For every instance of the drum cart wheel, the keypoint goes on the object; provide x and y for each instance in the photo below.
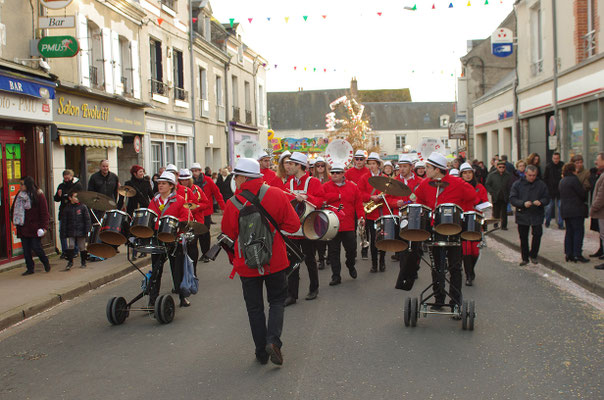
(119, 310)
(471, 315)
(108, 310)
(407, 311)
(414, 311)
(165, 309)
(464, 315)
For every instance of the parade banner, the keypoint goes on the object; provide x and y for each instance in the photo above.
(304, 145)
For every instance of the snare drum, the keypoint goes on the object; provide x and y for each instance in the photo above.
(303, 209)
(472, 226)
(321, 225)
(415, 222)
(143, 223)
(448, 219)
(168, 228)
(113, 227)
(386, 234)
(96, 247)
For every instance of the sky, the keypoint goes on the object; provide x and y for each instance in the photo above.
(400, 48)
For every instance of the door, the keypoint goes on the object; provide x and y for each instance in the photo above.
(12, 169)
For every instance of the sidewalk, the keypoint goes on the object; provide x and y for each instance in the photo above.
(551, 254)
(24, 296)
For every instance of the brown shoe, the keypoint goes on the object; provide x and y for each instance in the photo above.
(275, 354)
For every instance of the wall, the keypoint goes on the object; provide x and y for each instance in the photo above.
(494, 122)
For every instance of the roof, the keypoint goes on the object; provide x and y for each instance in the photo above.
(408, 115)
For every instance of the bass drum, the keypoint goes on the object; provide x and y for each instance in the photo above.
(386, 234)
(321, 225)
(96, 247)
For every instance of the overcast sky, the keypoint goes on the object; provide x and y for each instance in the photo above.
(399, 49)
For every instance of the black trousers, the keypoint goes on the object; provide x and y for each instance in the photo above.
(348, 240)
(34, 244)
(204, 240)
(447, 258)
(157, 269)
(409, 261)
(321, 246)
(500, 210)
(177, 260)
(307, 247)
(370, 229)
(276, 293)
(523, 232)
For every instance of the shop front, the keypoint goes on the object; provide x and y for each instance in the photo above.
(25, 114)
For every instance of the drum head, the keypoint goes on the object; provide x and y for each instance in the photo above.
(448, 229)
(101, 250)
(113, 238)
(415, 235)
(141, 231)
(471, 236)
(392, 245)
(300, 208)
(166, 237)
(315, 225)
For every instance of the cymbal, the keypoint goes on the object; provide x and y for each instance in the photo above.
(190, 206)
(127, 191)
(390, 186)
(196, 227)
(96, 201)
(438, 184)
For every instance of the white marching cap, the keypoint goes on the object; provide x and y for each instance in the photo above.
(196, 165)
(185, 174)
(299, 158)
(337, 167)
(312, 162)
(404, 159)
(466, 167)
(437, 160)
(420, 164)
(263, 155)
(388, 163)
(374, 157)
(454, 172)
(360, 153)
(171, 168)
(167, 176)
(319, 159)
(247, 167)
(286, 153)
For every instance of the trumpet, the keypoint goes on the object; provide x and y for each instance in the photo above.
(363, 235)
(371, 206)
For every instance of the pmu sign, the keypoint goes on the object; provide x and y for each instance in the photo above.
(58, 46)
(502, 42)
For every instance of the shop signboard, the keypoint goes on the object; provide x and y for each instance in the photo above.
(458, 130)
(58, 46)
(502, 42)
(67, 21)
(21, 107)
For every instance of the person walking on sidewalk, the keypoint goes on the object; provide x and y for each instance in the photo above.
(552, 177)
(498, 185)
(75, 225)
(29, 213)
(574, 211)
(597, 204)
(529, 196)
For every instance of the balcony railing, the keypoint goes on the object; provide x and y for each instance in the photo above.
(220, 113)
(236, 116)
(204, 108)
(94, 76)
(158, 87)
(590, 44)
(537, 67)
(126, 90)
(248, 117)
(180, 94)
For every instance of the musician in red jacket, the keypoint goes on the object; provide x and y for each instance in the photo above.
(356, 173)
(281, 175)
(268, 175)
(471, 251)
(267, 338)
(212, 193)
(368, 193)
(339, 192)
(168, 203)
(457, 192)
(304, 189)
(321, 172)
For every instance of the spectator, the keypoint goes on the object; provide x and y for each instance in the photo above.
(597, 204)
(582, 173)
(509, 167)
(529, 196)
(156, 177)
(144, 193)
(494, 162)
(498, 185)
(74, 228)
(534, 159)
(552, 177)
(208, 172)
(69, 183)
(520, 168)
(574, 211)
(594, 174)
(483, 172)
(224, 182)
(104, 182)
(29, 214)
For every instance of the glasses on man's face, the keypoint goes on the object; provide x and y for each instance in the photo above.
(336, 173)
(359, 158)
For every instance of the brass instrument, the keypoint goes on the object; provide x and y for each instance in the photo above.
(363, 235)
(371, 206)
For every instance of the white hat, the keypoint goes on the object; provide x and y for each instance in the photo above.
(466, 167)
(167, 176)
(414, 158)
(312, 162)
(360, 153)
(437, 160)
(420, 164)
(374, 157)
(337, 167)
(404, 159)
(454, 172)
(388, 163)
(319, 159)
(263, 155)
(196, 165)
(247, 167)
(172, 168)
(184, 174)
(286, 153)
(299, 158)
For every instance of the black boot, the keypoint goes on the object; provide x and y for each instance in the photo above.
(83, 257)
(468, 266)
(382, 262)
(598, 253)
(69, 257)
(373, 266)
(364, 253)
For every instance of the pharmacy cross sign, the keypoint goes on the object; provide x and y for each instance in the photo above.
(502, 42)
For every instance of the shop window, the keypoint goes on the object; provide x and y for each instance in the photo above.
(157, 157)
(593, 134)
(170, 154)
(94, 156)
(574, 130)
(181, 156)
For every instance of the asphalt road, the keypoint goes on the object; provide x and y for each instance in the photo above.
(533, 340)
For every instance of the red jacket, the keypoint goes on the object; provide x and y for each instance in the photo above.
(277, 204)
(367, 191)
(268, 175)
(349, 196)
(212, 192)
(277, 182)
(37, 217)
(355, 174)
(203, 202)
(482, 196)
(315, 193)
(458, 192)
(175, 207)
(412, 183)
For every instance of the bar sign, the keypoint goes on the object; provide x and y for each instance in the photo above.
(57, 22)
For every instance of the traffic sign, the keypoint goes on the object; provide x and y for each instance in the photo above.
(55, 4)
(137, 144)
(551, 126)
(58, 46)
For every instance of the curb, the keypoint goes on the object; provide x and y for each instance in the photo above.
(560, 268)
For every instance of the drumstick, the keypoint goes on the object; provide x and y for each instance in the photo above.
(306, 201)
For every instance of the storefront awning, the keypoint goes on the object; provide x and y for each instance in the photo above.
(74, 138)
(22, 84)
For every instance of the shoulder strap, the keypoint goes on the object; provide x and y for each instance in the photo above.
(307, 183)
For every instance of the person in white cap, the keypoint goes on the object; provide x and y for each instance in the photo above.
(341, 193)
(304, 189)
(168, 203)
(321, 172)
(471, 251)
(282, 176)
(420, 169)
(265, 167)
(311, 166)
(370, 193)
(388, 169)
(457, 192)
(454, 172)
(356, 173)
(266, 334)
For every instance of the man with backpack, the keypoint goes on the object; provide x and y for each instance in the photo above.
(260, 255)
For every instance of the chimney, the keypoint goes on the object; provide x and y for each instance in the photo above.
(354, 88)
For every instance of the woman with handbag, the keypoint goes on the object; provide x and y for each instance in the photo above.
(574, 211)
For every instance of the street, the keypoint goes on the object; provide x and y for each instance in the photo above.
(534, 339)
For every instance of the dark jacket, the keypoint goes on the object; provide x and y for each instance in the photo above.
(552, 177)
(498, 186)
(523, 191)
(572, 198)
(37, 217)
(65, 188)
(75, 221)
(224, 184)
(144, 194)
(106, 185)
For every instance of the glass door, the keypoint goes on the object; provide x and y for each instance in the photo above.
(11, 146)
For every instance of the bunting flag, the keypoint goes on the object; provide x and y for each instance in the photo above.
(268, 19)
(324, 16)
(194, 20)
(231, 20)
(159, 21)
(250, 20)
(379, 13)
(305, 17)
(286, 20)
(451, 5)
